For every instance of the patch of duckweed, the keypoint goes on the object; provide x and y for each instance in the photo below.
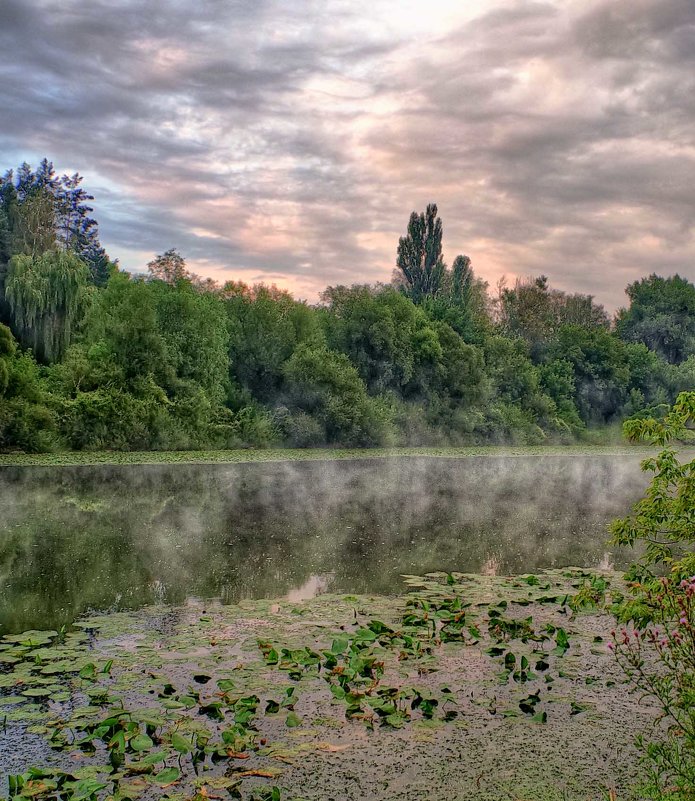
(299, 454)
(203, 700)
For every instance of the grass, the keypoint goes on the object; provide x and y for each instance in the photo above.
(305, 454)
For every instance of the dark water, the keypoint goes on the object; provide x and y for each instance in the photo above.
(74, 539)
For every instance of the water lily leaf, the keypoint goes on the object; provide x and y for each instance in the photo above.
(167, 776)
(9, 660)
(153, 758)
(89, 671)
(528, 705)
(339, 645)
(11, 700)
(141, 742)
(562, 642)
(188, 701)
(140, 767)
(117, 742)
(59, 667)
(85, 788)
(293, 720)
(181, 744)
(173, 705)
(213, 711)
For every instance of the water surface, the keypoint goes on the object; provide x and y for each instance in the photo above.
(74, 539)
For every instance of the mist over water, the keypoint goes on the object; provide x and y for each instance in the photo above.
(74, 539)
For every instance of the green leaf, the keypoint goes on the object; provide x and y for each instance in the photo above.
(37, 692)
(141, 742)
(153, 758)
(86, 788)
(167, 776)
(181, 744)
(89, 672)
(293, 720)
(117, 742)
(562, 642)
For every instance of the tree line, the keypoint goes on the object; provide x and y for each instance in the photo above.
(92, 357)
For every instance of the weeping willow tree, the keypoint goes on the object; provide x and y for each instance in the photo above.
(47, 295)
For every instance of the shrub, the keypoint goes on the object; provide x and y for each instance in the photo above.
(657, 647)
(660, 659)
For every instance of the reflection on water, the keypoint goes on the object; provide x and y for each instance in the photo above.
(313, 586)
(80, 538)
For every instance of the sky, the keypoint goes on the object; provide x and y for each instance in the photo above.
(288, 142)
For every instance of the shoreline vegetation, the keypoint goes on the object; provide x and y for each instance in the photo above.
(93, 358)
(250, 456)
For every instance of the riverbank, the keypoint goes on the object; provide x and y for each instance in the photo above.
(243, 456)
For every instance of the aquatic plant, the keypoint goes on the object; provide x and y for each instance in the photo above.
(205, 727)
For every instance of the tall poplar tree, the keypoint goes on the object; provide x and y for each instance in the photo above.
(420, 255)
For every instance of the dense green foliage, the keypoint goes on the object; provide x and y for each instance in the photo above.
(94, 358)
(657, 651)
(661, 315)
(664, 520)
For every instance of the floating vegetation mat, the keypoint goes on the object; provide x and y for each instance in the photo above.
(308, 454)
(463, 687)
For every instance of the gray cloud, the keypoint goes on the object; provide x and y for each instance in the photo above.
(274, 139)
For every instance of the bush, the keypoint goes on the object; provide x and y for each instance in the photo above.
(254, 427)
(27, 426)
(657, 649)
(324, 385)
(113, 419)
(509, 424)
(665, 518)
(300, 430)
(27, 421)
(660, 659)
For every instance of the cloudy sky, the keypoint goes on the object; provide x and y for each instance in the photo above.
(289, 141)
